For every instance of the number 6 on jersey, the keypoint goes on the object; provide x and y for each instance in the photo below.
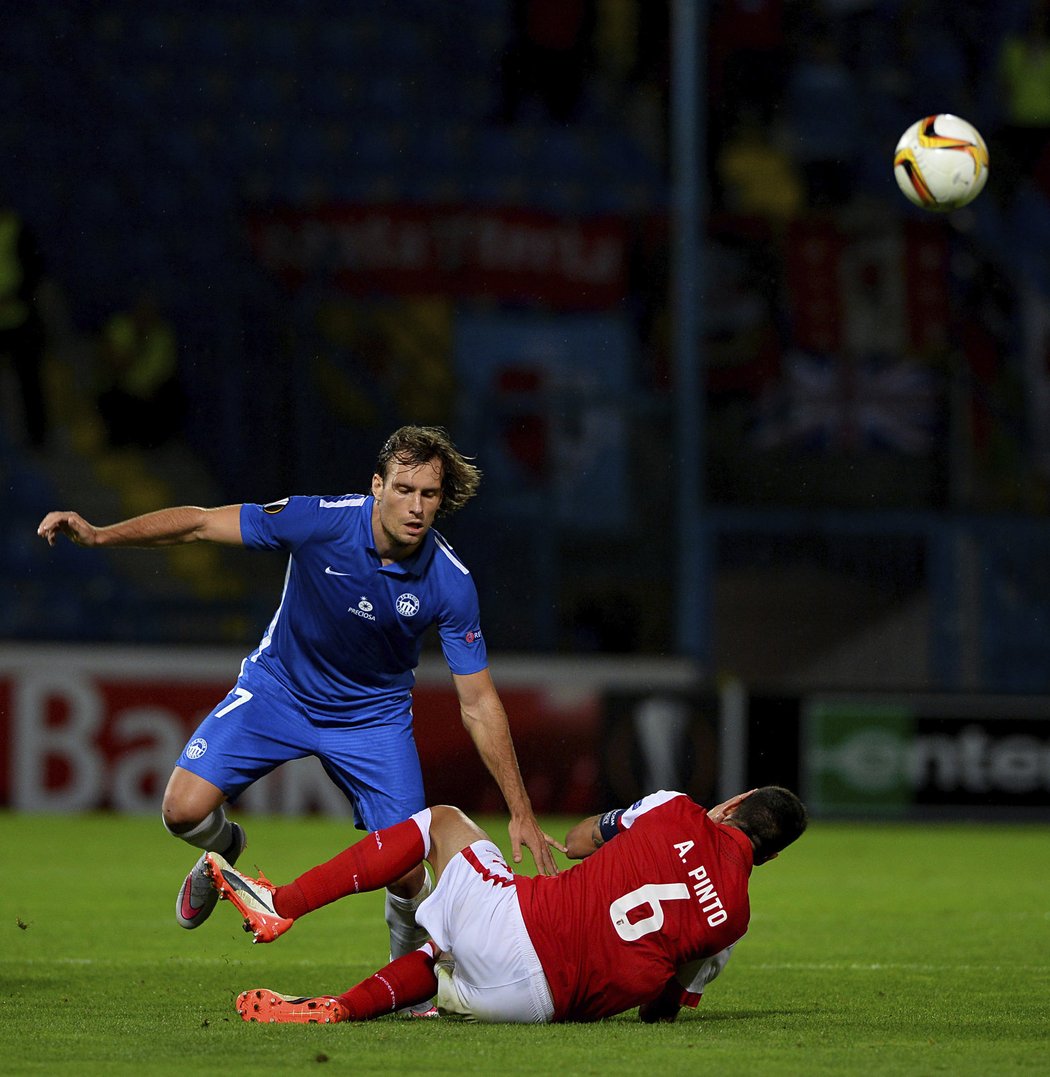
(651, 894)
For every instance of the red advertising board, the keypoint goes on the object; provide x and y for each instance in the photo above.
(96, 728)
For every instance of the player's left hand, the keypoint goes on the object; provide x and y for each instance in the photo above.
(720, 812)
(527, 832)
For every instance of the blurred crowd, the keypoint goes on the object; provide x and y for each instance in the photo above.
(133, 317)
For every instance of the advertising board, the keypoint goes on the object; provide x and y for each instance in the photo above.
(90, 728)
(926, 755)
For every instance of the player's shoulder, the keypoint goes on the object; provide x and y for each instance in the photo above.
(303, 518)
(308, 503)
(446, 561)
(335, 503)
(329, 512)
(659, 798)
(658, 805)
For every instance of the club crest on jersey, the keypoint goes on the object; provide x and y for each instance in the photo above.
(407, 605)
(196, 748)
(275, 507)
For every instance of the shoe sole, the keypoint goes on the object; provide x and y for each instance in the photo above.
(268, 1007)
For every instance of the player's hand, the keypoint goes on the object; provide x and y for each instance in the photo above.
(653, 1012)
(70, 524)
(664, 1007)
(527, 832)
(720, 812)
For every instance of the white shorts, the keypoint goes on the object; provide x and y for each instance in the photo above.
(473, 915)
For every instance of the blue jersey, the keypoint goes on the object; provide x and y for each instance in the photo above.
(347, 635)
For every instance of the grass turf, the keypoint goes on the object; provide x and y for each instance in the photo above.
(890, 949)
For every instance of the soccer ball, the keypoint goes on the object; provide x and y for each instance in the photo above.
(941, 163)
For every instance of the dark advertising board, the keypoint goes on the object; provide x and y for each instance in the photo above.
(951, 756)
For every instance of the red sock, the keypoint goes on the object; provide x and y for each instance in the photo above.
(376, 860)
(404, 982)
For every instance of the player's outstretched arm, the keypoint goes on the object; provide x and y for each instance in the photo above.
(165, 527)
(486, 721)
(586, 835)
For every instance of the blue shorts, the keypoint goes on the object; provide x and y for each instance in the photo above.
(259, 726)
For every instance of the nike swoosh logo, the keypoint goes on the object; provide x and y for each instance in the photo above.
(329, 571)
(189, 910)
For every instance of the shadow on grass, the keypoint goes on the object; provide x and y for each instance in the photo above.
(753, 1015)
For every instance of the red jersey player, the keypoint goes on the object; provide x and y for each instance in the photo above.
(646, 920)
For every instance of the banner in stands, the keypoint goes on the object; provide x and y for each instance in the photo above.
(542, 402)
(515, 254)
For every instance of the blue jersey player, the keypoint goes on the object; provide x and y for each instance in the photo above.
(332, 676)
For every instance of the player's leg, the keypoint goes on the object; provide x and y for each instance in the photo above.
(409, 982)
(406, 981)
(230, 749)
(473, 910)
(403, 897)
(378, 770)
(490, 971)
(451, 831)
(193, 811)
(376, 861)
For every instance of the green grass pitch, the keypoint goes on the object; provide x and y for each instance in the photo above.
(873, 949)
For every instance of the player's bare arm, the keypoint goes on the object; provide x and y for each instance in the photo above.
(486, 721)
(586, 835)
(165, 527)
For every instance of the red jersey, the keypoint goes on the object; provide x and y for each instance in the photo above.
(670, 888)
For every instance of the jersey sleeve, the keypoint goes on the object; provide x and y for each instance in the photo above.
(617, 820)
(460, 630)
(647, 804)
(280, 525)
(696, 975)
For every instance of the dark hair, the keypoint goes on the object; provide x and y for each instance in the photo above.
(772, 817)
(415, 445)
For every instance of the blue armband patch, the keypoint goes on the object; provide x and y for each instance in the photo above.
(609, 823)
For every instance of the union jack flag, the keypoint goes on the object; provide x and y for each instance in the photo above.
(834, 402)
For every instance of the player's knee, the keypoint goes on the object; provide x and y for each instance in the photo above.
(451, 825)
(182, 810)
(449, 815)
(179, 817)
(188, 801)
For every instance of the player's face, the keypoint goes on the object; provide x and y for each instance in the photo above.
(406, 503)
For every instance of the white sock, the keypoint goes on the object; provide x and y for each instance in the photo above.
(213, 833)
(405, 934)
